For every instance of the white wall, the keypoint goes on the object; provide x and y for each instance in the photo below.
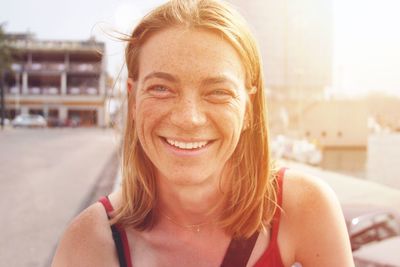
(336, 123)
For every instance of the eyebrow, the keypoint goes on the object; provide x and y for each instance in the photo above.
(207, 81)
(161, 75)
(218, 79)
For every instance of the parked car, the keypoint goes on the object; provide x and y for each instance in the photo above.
(374, 235)
(385, 253)
(29, 120)
(367, 224)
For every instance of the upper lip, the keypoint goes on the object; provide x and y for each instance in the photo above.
(188, 140)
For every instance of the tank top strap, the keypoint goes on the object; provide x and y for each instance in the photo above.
(119, 236)
(278, 211)
(106, 204)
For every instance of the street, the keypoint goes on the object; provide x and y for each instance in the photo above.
(47, 176)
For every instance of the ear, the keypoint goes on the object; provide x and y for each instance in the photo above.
(131, 91)
(130, 85)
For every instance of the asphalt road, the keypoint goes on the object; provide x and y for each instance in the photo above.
(47, 176)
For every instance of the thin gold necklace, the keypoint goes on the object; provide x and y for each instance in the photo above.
(191, 227)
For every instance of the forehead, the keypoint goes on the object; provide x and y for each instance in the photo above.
(189, 52)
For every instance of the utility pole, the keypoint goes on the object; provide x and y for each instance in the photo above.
(2, 108)
(5, 62)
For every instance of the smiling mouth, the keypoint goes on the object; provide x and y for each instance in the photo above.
(186, 145)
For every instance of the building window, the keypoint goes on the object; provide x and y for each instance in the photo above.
(11, 113)
(36, 111)
(78, 117)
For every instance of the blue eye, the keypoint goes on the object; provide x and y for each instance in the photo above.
(160, 91)
(220, 92)
(220, 96)
(159, 88)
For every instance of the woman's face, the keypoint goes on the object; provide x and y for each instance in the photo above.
(190, 104)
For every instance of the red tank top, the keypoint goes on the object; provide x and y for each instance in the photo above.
(270, 258)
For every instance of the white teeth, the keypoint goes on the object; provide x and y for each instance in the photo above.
(188, 145)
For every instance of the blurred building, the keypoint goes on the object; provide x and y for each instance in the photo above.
(296, 40)
(385, 110)
(62, 80)
(336, 123)
(296, 43)
(383, 161)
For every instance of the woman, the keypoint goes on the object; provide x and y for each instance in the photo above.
(198, 188)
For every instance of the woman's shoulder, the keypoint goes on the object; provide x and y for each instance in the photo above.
(307, 198)
(303, 189)
(87, 240)
(313, 218)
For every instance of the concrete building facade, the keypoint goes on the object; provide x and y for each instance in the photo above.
(336, 123)
(296, 43)
(62, 80)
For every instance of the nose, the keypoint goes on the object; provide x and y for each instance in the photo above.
(188, 113)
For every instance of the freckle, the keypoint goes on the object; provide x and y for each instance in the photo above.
(317, 255)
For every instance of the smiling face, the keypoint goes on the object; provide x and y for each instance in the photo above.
(190, 102)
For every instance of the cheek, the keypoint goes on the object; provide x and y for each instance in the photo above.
(231, 119)
(148, 116)
(238, 110)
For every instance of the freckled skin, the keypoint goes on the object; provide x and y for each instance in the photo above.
(189, 109)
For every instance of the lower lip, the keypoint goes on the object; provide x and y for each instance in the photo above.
(186, 152)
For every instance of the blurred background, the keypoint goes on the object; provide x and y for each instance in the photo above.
(332, 70)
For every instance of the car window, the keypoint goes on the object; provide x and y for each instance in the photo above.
(375, 228)
(361, 223)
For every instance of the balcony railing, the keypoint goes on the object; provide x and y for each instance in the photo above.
(48, 90)
(14, 90)
(16, 67)
(84, 67)
(57, 67)
(36, 66)
(32, 44)
(52, 90)
(81, 90)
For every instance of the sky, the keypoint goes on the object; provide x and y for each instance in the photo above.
(367, 46)
(366, 34)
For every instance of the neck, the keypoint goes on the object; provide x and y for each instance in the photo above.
(189, 204)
